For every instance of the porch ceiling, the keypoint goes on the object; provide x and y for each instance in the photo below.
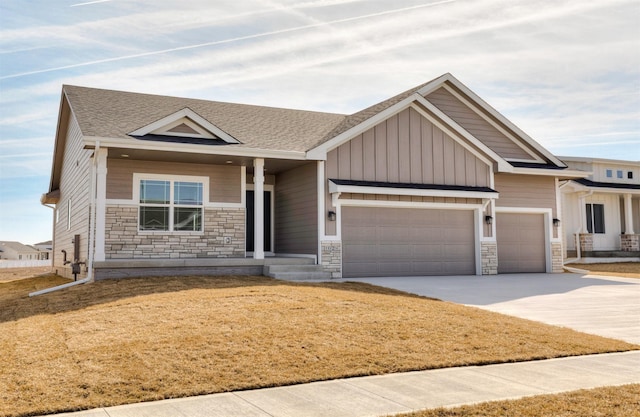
(272, 166)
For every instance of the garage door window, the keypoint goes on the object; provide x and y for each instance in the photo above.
(595, 218)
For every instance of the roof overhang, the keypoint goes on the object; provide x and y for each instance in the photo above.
(408, 189)
(52, 197)
(91, 142)
(438, 82)
(561, 173)
(605, 187)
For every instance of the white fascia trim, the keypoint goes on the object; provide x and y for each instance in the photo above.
(190, 114)
(492, 123)
(564, 173)
(453, 80)
(358, 189)
(90, 141)
(320, 152)
(503, 165)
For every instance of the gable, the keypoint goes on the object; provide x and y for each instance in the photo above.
(482, 127)
(184, 126)
(408, 148)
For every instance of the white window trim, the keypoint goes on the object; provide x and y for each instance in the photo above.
(137, 177)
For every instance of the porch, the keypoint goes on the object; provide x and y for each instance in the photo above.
(131, 268)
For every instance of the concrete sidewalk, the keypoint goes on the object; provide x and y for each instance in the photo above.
(397, 393)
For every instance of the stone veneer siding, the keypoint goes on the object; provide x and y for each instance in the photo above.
(630, 243)
(586, 242)
(489, 258)
(556, 257)
(223, 236)
(332, 257)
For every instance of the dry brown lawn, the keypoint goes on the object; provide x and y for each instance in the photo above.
(623, 401)
(618, 269)
(122, 341)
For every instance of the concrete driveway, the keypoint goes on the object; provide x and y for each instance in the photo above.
(606, 306)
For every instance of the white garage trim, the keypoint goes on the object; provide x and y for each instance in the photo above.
(548, 232)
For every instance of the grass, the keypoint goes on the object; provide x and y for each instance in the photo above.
(622, 401)
(618, 269)
(123, 341)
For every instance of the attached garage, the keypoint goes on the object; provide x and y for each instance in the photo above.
(521, 243)
(380, 241)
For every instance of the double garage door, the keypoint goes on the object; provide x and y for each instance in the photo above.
(414, 242)
(407, 242)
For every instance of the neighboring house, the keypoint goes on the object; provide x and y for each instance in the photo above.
(17, 251)
(602, 211)
(45, 248)
(433, 181)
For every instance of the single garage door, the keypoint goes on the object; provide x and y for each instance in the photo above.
(407, 242)
(521, 245)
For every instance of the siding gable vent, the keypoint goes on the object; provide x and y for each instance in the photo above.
(184, 126)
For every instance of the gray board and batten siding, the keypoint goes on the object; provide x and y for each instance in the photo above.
(477, 125)
(405, 148)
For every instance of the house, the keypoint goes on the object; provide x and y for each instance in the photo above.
(602, 211)
(11, 250)
(45, 249)
(433, 181)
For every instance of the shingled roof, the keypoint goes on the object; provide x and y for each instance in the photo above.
(115, 114)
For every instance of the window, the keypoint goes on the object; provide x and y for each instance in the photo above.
(170, 205)
(595, 218)
(619, 173)
(630, 175)
(609, 173)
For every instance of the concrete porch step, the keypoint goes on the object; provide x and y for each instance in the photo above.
(296, 272)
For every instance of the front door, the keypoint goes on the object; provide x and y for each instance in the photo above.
(267, 221)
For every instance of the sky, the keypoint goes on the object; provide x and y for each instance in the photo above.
(567, 72)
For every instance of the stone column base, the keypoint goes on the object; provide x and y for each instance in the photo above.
(489, 258)
(556, 258)
(586, 242)
(332, 257)
(630, 243)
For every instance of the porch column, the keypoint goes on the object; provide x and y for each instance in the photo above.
(628, 215)
(101, 206)
(258, 210)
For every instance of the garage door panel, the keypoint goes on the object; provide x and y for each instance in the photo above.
(521, 242)
(407, 242)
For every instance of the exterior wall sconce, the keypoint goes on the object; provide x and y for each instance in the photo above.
(556, 222)
(332, 216)
(488, 219)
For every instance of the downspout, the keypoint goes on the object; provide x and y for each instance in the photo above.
(53, 233)
(92, 223)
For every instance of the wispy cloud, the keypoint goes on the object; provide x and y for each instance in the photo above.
(88, 3)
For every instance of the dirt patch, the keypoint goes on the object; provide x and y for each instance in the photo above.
(122, 341)
(12, 274)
